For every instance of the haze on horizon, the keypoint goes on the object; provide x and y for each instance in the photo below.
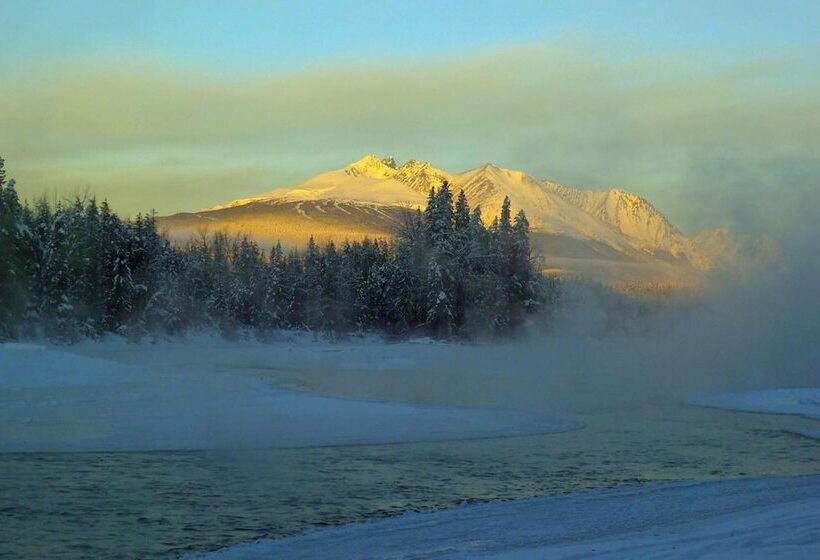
(709, 111)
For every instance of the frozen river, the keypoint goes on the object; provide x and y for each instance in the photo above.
(118, 503)
(161, 504)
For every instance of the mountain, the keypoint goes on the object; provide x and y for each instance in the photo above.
(612, 236)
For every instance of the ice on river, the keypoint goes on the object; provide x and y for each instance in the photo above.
(803, 402)
(799, 402)
(53, 399)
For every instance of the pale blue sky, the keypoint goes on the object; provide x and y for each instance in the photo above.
(179, 105)
(276, 35)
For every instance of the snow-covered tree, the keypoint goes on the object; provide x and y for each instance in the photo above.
(247, 288)
(439, 320)
(12, 270)
(273, 300)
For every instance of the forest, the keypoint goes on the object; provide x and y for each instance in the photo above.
(75, 269)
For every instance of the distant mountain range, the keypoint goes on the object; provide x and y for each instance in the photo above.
(612, 236)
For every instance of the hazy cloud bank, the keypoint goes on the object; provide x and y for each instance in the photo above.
(706, 138)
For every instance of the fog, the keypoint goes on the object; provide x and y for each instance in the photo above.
(749, 329)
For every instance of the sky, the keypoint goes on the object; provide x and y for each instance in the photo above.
(709, 109)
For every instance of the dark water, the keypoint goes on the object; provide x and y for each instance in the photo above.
(160, 505)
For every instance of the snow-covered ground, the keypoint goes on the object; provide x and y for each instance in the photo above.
(201, 396)
(797, 402)
(755, 518)
(206, 392)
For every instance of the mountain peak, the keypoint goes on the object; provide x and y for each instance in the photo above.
(415, 165)
(373, 166)
(420, 175)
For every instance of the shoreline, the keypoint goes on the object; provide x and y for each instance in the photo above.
(759, 517)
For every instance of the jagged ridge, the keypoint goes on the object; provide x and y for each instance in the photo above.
(611, 226)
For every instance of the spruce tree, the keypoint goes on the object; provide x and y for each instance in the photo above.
(12, 271)
(274, 297)
(312, 281)
(462, 212)
(521, 269)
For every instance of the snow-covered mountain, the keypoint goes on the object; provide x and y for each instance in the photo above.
(613, 235)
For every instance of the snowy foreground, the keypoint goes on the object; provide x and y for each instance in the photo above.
(796, 402)
(190, 396)
(210, 393)
(756, 518)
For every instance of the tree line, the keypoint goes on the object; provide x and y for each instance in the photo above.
(74, 269)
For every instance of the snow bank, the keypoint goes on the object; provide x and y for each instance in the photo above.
(799, 402)
(32, 366)
(757, 518)
(52, 399)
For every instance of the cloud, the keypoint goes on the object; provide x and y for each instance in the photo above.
(685, 131)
